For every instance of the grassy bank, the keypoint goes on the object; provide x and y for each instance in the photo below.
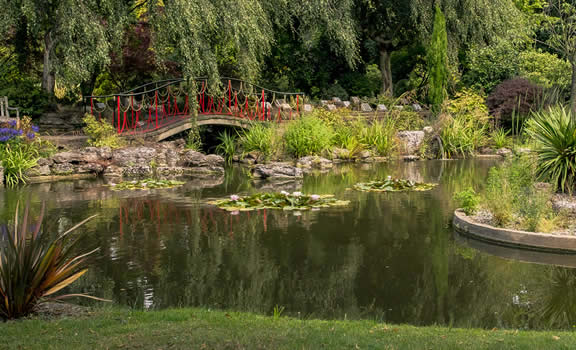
(202, 329)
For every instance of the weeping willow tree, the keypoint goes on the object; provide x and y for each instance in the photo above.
(437, 59)
(76, 36)
(200, 34)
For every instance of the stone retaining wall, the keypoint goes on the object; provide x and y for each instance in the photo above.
(514, 238)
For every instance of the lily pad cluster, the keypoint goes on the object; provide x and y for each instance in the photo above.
(147, 184)
(393, 185)
(281, 200)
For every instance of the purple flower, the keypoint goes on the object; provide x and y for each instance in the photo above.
(314, 197)
(35, 128)
(30, 135)
(12, 123)
(234, 197)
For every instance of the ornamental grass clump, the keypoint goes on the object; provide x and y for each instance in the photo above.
(35, 265)
(393, 185)
(308, 136)
(146, 184)
(282, 200)
(554, 134)
(259, 138)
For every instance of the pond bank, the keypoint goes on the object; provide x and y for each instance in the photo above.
(192, 328)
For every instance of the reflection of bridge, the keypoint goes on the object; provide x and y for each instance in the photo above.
(164, 108)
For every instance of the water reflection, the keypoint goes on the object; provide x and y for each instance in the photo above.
(390, 257)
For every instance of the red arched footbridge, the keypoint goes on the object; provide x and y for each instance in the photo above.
(164, 108)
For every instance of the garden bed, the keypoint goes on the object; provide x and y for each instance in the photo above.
(523, 239)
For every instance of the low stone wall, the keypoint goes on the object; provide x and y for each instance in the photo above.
(132, 162)
(514, 238)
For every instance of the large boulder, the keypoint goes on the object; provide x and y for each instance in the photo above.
(198, 162)
(68, 157)
(276, 170)
(410, 141)
(133, 156)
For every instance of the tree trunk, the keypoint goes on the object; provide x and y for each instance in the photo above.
(386, 69)
(573, 90)
(48, 78)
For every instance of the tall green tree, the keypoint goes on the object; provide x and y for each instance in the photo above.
(437, 59)
(197, 33)
(394, 24)
(76, 36)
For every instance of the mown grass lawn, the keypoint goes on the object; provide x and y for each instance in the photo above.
(204, 329)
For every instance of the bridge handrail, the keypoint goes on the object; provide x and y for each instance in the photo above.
(169, 82)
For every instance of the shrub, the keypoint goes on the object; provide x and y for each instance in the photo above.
(227, 146)
(308, 136)
(516, 96)
(28, 96)
(34, 266)
(367, 84)
(259, 138)
(486, 67)
(101, 133)
(380, 136)
(545, 69)
(467, 200)
(554, 132)
(464, 127)
(194, 141)
(335, 90)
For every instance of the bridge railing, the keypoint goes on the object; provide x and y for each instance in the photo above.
(161, 103)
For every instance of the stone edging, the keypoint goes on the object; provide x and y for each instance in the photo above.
(514, 238)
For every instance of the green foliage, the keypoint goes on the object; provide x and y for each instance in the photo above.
(512, 198)
(335, 90)
(227, 146)
(146, 184)
(467, 200)
(101, 133)
(367, 84)
(27, 96)
(554, 133)
(34, 265)
(194, 141)
(465, 127)
(308, 136)
(499, 137)
(545, 69)
(282, 200)
(437, 59)
(488, 66)
(393, 185)
(380, 136)
(259, 138)
(16, 160)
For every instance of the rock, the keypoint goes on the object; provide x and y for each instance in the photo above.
(346, 104)
(340, 153)
(524, 151)
(411, 141)
(276, 170)
(428, 130)
(330, 107)
(314, 162)
(62, 169)
(251, 158)
(365, 107)
(564, 203)
(140, 170)
(365, 154)
(133, 156)
(68, 157)
(399, 107)
(307, 108)
(193, 159)
(103, 153)
(355, 100)
(45, 161)
(39, 170)
(504, 152)
(381, 108)
(90, 168)
(487, 150)
(410, 158)
(416, 107)
(285, 107)
(324, 102)
(113, 171)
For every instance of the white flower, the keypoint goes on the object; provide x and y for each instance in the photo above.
(284, 193)
(389, 178)
(314, 197)
(297, 213)
(235, 212)
(234, 197)
(296, 194)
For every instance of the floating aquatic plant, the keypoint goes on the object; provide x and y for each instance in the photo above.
(147, 184)
(393, 185)
(281, 200)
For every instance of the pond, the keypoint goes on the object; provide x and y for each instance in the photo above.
(387, 256)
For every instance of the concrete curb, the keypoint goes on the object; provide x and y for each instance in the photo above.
(513, 238)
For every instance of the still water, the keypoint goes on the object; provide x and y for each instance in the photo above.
(389, 257)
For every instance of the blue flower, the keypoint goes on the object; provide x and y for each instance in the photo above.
(12, 123)
(30, 135)
(35, 128)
